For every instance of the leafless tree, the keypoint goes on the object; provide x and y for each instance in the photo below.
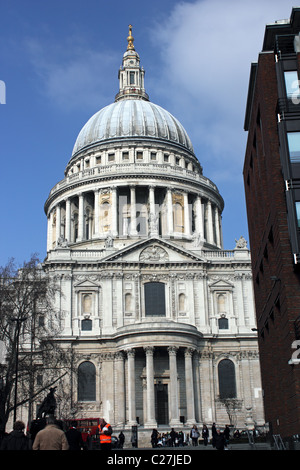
(232, 406)
(31, 359)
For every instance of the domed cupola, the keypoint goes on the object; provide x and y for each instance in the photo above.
(133, 173)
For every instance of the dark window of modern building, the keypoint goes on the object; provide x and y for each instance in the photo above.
(226, 374)
(294, 146)
(155, 303)
(86, 382)
(86, 324)
(223, 323)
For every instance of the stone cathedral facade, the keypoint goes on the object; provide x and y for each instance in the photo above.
(160, 316)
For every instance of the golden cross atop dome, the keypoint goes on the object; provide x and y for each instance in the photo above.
(130, 40)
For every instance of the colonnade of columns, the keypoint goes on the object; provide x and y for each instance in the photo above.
(99, 213)
(173, 392)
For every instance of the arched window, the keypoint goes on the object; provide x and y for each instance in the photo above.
(105, 215)
(155, 303)
(75, 226)
(87, 303)
(178, 218)
(181, 302)
(221, 303)
(86, 382)
(128, 299)
(227, 383)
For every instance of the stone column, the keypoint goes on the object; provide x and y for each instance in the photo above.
(153, 217)
(187, 230)
(58, 223)
(189, 386)
(68, 220)
(81, 218)
(131, 388)
(151, 422)
(114, 213)
(120, 379)
(217, 225)
(96, 213)
(49, 232)
(174, 402)
(199, 218)
(170, 212)
(209, 224)
(133, 231)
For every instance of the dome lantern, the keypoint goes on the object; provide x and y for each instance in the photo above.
(131, 75)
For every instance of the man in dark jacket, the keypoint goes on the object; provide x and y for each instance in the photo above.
(220, 440)
(74, 437)
(16, 440)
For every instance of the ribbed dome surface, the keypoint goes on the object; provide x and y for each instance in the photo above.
(132, 118)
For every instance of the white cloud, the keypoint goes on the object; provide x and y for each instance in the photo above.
(207, 47)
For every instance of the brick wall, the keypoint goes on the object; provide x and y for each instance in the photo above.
(276, 281)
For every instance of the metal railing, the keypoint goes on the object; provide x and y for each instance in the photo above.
(278, 442)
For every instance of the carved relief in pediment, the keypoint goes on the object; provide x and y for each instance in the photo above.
(154, 254)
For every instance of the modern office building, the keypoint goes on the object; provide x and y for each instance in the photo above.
(159, 315)
(272, 188)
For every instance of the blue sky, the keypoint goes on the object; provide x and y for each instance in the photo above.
(59, 61)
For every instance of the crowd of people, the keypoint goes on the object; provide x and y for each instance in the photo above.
(218, 439)
(49, 435)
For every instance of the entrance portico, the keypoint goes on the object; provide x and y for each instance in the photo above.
(158, 381)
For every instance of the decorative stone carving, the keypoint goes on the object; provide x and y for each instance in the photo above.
(241, 243)
(154, 254)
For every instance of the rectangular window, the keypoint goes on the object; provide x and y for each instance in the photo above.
(125, 155)
(292, 84)
(132, 78)
(155, 299)
(294, 146)
(298, 213)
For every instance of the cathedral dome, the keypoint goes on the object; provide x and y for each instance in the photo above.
(135, 118)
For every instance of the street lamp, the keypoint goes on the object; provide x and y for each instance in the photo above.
(19, 321)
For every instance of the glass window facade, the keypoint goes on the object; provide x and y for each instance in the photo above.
(292, 84)
(294, 146)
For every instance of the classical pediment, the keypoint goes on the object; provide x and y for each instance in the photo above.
(221, 284)
(82, 282)
(153, 251)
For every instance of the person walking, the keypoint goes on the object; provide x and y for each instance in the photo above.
(220, 441)
(105, 431)
(213, 434)
(74, 437)
(51, 437)
(173, 435)
(205, 434)
(16, 439)
(227, 434)
(121, 440)
(154, 438)
(195, 435)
